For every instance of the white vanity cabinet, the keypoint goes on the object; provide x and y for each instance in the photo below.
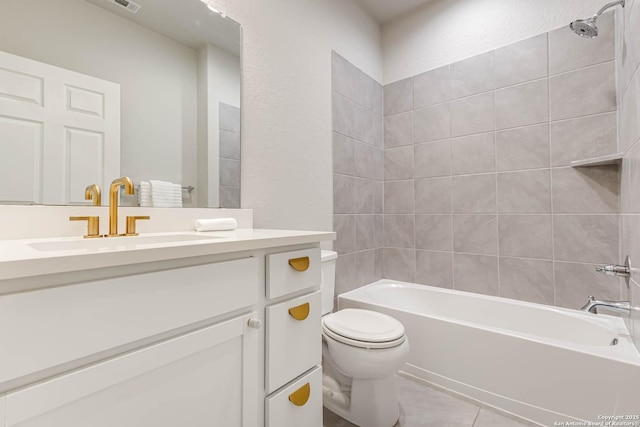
(183, 335)
(200, 379)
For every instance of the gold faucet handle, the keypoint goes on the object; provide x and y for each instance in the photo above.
(131, 224)
(93, 192)
(93, 225)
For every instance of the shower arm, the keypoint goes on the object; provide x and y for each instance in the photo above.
(607, 6)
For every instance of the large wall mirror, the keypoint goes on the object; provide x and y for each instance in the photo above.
(91, 90)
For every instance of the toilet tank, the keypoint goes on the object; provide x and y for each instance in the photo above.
(328, 280)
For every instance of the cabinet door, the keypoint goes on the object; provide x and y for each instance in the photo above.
(204, 378)
(88, 322)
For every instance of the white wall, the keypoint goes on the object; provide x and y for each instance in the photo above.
(445, 31)
(159, 138)
(286, 102)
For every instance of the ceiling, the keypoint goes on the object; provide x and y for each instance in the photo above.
(186, 21)
(386, 10)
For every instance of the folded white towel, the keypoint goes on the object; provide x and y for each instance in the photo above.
(166, 194)
(144, 194)
(219, 224)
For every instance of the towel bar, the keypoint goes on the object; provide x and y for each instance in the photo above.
(188, 188)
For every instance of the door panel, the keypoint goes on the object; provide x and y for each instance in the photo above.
(21, 87)
(85, 151)
(20, 160)
(59, 100)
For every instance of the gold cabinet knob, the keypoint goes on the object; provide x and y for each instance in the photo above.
(131, 224)
(300, 312)
(300, 397)
(300, 264)
(93, 225)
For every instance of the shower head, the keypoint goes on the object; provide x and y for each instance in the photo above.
(587, 27)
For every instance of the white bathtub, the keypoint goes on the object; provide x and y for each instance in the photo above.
(542, 363)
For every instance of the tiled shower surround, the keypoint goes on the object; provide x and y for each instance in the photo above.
(229, 119)
(358, 175)
(479, 195)
(478, 192)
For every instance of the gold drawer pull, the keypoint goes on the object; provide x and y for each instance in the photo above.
(301, 396)
(300, 264)
(300, 312)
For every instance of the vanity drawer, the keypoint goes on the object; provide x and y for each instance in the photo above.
(294, 339)
(290, 272)
(298, 404)
(55, 327)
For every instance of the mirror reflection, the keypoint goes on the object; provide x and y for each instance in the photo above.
(91, 90)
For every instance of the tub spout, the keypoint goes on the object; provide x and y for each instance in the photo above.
(592, 305)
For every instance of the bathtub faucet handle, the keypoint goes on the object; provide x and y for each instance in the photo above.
(614, 270)
(617, 270)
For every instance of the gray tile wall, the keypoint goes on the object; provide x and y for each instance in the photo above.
(627, 61)
(358, 175)
(229, 122)
(478, 191)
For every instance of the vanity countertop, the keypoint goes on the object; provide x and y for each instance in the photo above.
(34, 257)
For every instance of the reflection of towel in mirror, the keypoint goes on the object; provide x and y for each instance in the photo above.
(165, 194)
(144, 194)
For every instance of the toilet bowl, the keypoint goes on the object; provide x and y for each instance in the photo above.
(362, 351)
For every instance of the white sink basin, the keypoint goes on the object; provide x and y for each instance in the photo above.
(117, 243)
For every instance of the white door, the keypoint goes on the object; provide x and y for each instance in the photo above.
(206, 378)
(59, 132)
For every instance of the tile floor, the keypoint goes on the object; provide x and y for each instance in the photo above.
(423, 405)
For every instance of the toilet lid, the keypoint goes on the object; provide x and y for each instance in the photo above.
(364, 326)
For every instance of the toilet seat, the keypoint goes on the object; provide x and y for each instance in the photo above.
(364, 329)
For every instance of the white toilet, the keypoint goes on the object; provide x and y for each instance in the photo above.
(362, 350)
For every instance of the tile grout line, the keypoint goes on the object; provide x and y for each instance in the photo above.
(494, 89)
(506, 172)
(453, 256)
(475, 420)
(547, 122)
(413, 174)
(413, 182)
(553, 237)
(495, 159)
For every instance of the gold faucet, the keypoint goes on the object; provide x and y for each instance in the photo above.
(113, 202)
(93, 193)
(93, 225)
